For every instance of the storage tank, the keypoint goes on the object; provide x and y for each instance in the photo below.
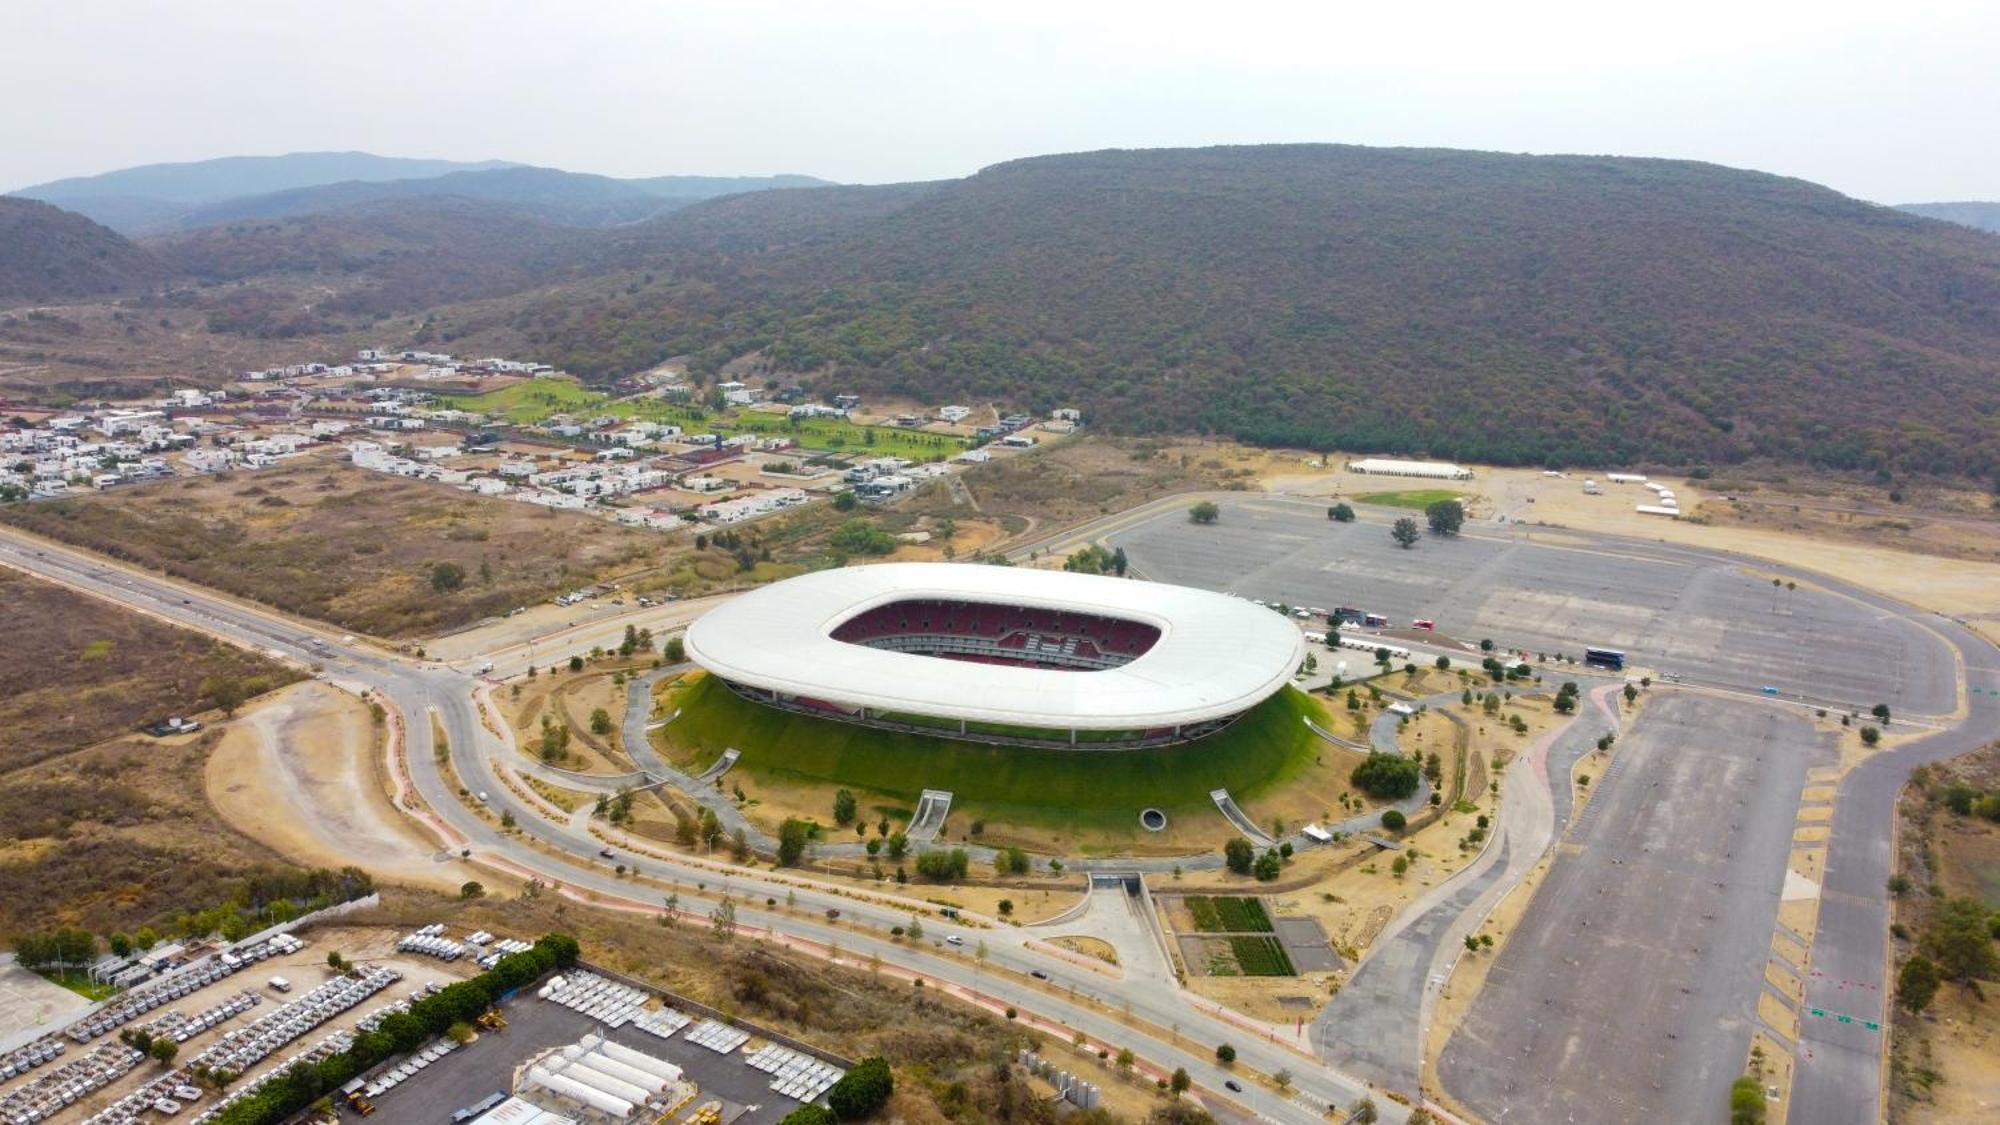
(648, 1063)
(649, 1082)
(617, 1087)
(588, 1095)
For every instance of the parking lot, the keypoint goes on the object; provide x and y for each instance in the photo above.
(487, 1066)
(1708, 620)
(1629, 992)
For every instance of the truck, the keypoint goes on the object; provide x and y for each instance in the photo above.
(280, 984)
(1590, 488)
(1375, 621)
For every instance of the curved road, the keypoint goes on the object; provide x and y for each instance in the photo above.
(1167, 1028)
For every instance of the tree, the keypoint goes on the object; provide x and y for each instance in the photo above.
(845, 502)
(810, 1114)
(576, 663)
(793, 835)
(1205, 512)
(471, 889)
(1746, 1101)
(1445, 516)
(1394, 820)
(1870, 736)
(844, 807)
(1959, 939)
(1340, 513)
(446, 577)
(861, 537)
(1119, 563)
(1283, 1078)
(163, 1051)
(1180, 1082)
(1917, 983)
(1125, 1059)
(600, 721)
(1881, 713)
(1404, 532)
(226, 692)
(1364, 1113)
(722, 920)
(864, 1090)
(1631, 693)
(899, 845)
(676, 650)
(1385, 776)
(711, 828)
(1238, 855)
(1269, 866)
(1012, 861)
(1225, 1054)
(1442, 663)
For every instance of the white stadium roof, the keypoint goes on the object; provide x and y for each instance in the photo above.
(1216, 655)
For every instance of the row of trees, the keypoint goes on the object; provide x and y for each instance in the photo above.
(293, 1090)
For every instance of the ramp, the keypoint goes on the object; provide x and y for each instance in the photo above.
(932, 808)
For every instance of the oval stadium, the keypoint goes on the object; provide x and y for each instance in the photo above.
(1000, 654)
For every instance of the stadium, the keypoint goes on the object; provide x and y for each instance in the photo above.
(1000, 655)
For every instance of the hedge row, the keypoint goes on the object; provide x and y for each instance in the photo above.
(303, 1084)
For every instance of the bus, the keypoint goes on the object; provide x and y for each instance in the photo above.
(1604, 658)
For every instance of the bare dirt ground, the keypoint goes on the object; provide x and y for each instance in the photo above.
(299, 772)
(75, 670)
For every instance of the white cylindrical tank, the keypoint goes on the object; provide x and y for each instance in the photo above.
(583, 1071)
(648, 1063)
(651, 1083)
(588, 1095)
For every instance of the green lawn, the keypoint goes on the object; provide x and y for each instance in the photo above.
(1417, 498)
(525, 404)
(81, 984)
(1098, 789)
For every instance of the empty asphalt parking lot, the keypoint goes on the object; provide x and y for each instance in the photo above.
(1629, 992)
(1707, 619)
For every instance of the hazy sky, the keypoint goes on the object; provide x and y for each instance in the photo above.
(1894, 102)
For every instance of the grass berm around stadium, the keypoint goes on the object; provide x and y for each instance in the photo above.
(1100, 789)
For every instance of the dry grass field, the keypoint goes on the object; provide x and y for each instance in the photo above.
(347, 546)
(1945, 1063)
(116, 836)
(75, 670)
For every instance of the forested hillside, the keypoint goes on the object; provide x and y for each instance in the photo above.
(47, 253)
(1481, 306)
(372, 260)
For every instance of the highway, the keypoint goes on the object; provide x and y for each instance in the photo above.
(1177, 1030)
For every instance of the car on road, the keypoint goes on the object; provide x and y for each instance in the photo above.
(954, 939)
(1233, 1084)
(607, 853)
(1039, 975)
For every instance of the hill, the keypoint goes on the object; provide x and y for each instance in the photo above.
(569, 198)
(1515, 309)
(1982, 216)
(150, 194)
(367, 261)
(47, 253)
